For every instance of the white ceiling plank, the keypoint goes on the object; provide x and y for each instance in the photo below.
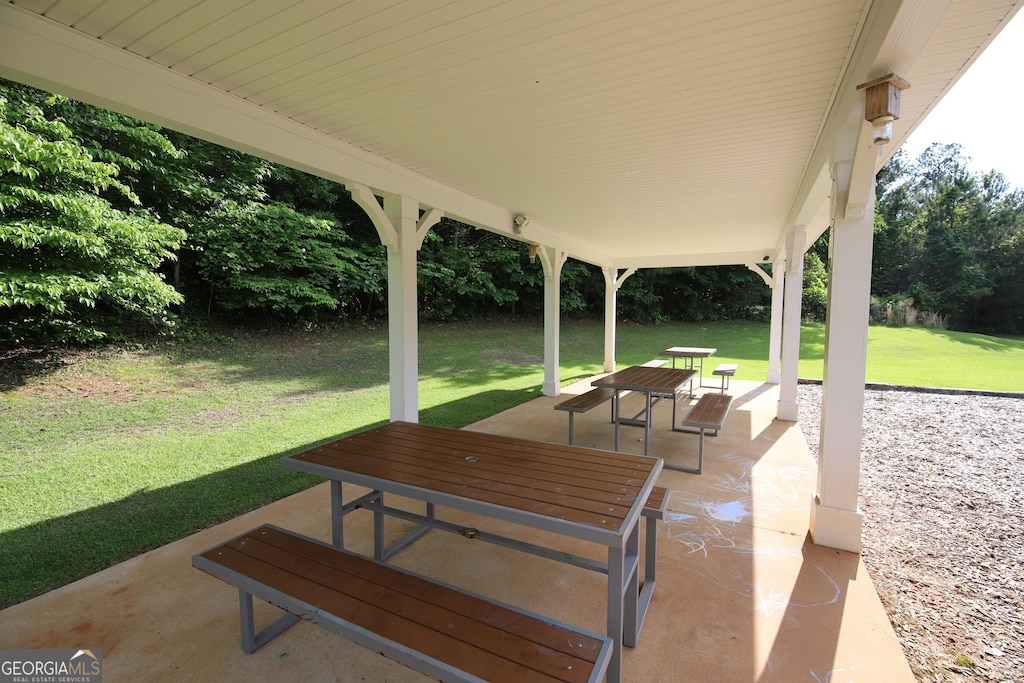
(70, 12)
(175, 39)
(149, 18)
(37, 6)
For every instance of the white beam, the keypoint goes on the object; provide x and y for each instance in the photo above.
(612, 282)
(685, 260)
(552, 259)
(835, 511)
(403, 338)
(775, 327)
(791, 318)
(401, 230)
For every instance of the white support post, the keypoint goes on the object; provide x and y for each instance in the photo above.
(836, 519)
(835, 513)
(553, 259)
(612, 282)
(775, 328)
(403, 337)
(791, 318)
(401, 230)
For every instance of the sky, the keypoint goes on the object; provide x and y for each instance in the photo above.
(984, 111)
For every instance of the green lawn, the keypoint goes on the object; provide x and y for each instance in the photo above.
(106, 455)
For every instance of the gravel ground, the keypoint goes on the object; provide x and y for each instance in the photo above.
(941, 481)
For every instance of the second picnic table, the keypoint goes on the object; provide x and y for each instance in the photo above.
(689, 353)
(654, 383)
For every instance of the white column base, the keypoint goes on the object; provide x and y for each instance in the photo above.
(552, 388)
(788, 411)
(835, 528)
(774, 377)
(609, 366)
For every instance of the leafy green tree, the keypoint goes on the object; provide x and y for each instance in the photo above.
(948, 238)
(465, 272)
(73, 267)
(815, 292)
(270, 258)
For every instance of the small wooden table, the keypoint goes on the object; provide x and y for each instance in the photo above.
(688, 353)
(652, 382)
(581, 493)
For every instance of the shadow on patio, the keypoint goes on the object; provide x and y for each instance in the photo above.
(742, 595)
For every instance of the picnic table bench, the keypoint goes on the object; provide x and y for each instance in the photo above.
(708, 413)
(595, 397)
(725, 371)
(441, 631)
(654, 510)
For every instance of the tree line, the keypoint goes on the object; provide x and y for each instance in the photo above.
(111, 227)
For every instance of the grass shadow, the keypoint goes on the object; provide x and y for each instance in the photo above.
(476, 407)
(45, 555)
(18, 366)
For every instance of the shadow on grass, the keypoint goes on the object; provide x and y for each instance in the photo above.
(470, 409)
(460, 356)
(20, 365)
(981, 341)
(49, 554)
(43, 556)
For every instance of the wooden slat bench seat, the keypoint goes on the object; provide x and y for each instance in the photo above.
(654, 510)
(595, 397)
(708, 413)
(725, 371)
(584, 402)
(438, 630)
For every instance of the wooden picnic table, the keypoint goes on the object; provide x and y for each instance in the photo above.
(653, 382)
(688, 354)
(580, 493)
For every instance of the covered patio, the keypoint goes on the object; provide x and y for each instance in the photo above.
(742, 594)
(627, 135)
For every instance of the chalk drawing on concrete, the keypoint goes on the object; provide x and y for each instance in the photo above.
(827, 676)
(770, 601)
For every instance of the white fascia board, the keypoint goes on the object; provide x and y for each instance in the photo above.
(48, 55)
(732, 258)
(537, 233)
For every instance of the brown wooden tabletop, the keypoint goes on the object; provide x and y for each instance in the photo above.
(510, 478)
(643, 378)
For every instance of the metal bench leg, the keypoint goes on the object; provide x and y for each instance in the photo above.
(571, 439)
(631, 590)
(700, 451)
(650, 574)
(337, 516)
(252, 641)
(615, 404)
(647, 426)
(378, 531)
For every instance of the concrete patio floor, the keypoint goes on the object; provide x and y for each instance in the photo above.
(742, 595)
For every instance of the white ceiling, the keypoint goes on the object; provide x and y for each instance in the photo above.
(630, 132)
